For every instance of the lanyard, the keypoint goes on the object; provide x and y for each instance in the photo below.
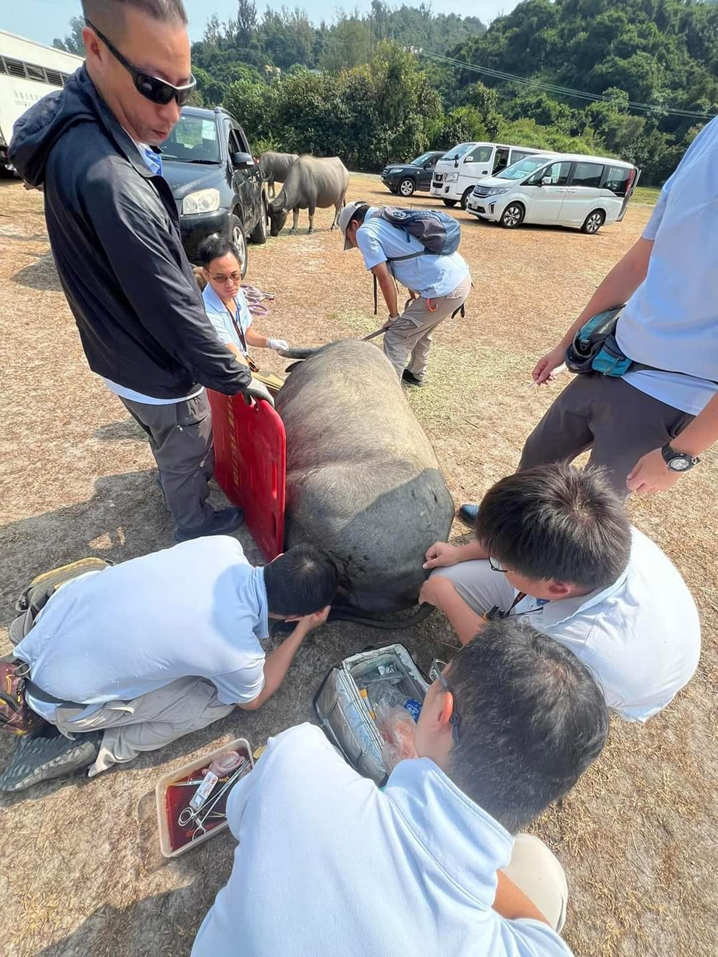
(495, 614)
(238, 328)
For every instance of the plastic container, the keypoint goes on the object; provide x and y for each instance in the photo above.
(170, 844)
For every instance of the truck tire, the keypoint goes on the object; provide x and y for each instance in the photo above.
(259, 233)
(236, 234)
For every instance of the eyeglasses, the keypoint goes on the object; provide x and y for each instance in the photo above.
(151, 87)
(455, 719)
(233, 277)
(496, 566)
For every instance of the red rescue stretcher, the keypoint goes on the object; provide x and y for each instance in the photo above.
(250, 450)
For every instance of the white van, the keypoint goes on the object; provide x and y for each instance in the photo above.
(459, 170)
(566, 189)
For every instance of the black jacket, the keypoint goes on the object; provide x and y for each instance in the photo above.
(115, 236)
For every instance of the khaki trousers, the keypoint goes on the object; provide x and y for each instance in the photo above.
(409, 337)
(148, 722)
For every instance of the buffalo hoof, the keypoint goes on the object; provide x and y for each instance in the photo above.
(310, 230)
(292, 230)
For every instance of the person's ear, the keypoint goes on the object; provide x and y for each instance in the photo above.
(446, 711)
(559, 590)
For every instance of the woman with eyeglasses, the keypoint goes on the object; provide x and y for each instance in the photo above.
(226, 304)
(115, 236)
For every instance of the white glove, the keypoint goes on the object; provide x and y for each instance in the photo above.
(277, 344)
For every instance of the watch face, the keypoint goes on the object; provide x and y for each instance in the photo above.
(679, 464)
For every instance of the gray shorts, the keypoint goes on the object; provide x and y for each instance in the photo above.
(615, 420)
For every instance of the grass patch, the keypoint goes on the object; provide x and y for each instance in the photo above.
(646, 194)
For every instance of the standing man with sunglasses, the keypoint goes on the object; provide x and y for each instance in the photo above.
(114, 233)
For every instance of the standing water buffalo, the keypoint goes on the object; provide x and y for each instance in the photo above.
(274, 167)
(311, 182)
(363, 481)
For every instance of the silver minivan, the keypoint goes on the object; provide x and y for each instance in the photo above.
(459, 170)
(563, 189)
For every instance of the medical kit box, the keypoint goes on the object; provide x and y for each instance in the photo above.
(344, 703)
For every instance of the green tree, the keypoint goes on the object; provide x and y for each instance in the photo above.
(72, 42)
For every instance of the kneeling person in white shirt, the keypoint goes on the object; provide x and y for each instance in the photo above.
(157, 647)
(428, 864)
(554, 544)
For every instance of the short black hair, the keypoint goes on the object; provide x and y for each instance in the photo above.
(532, 719)
(109, 14)
(214, 247)
(301, 581)
(557, 522)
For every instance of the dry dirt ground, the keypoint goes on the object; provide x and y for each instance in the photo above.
(82, 874)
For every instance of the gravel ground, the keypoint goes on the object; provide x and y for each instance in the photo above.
(82, 873)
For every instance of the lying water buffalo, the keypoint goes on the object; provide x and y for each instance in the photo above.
(363, 481)
(274, 167)
(311, 182)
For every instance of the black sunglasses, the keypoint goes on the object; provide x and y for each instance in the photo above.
(151, 87)
(455, 719)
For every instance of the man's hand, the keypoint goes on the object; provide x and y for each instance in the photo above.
(311, 622)
(441, 554)
(651, 474)
(434, 590)
(389, 322)
(544, 368)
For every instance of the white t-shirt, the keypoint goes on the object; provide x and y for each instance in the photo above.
(328, 865)
(429, 276)
(641, 636)
(671, 321)
(198, 609)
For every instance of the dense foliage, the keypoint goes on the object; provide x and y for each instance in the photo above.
(367, 88)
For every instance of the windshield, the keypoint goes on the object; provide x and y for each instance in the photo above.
(420, 160)
(523, 168)
(458, 151)
(193, 140)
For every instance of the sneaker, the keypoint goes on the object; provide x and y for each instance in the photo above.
(468, 514)
(49, 756)
(224, 521)
(410, 378)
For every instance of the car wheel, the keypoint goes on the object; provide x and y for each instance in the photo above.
(236, 234)
(448, 202)
(407, 187)
(594, 221)
(512, 216)
(259, 233)
(465, 197)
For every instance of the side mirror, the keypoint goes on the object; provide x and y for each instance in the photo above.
(546, 181)
(242, 160)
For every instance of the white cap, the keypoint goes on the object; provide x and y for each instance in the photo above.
(344, 218)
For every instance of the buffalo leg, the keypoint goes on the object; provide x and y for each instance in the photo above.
(295, 220)
(312, 210)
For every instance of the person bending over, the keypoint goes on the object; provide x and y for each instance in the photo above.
(426, 865)
(225, 303)
(128, 659)
(554, 544)
(438, 285)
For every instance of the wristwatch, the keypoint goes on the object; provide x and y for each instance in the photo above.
(678, 461)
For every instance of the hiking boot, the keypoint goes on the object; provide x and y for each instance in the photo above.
(410, 378)
(48, 756)
(224, 521)
(468, 514)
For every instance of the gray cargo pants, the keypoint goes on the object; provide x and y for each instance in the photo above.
(181, 441)
(618, 422)
(146, 723)
(410, 334)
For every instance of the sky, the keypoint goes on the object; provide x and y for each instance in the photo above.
(43, 20)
